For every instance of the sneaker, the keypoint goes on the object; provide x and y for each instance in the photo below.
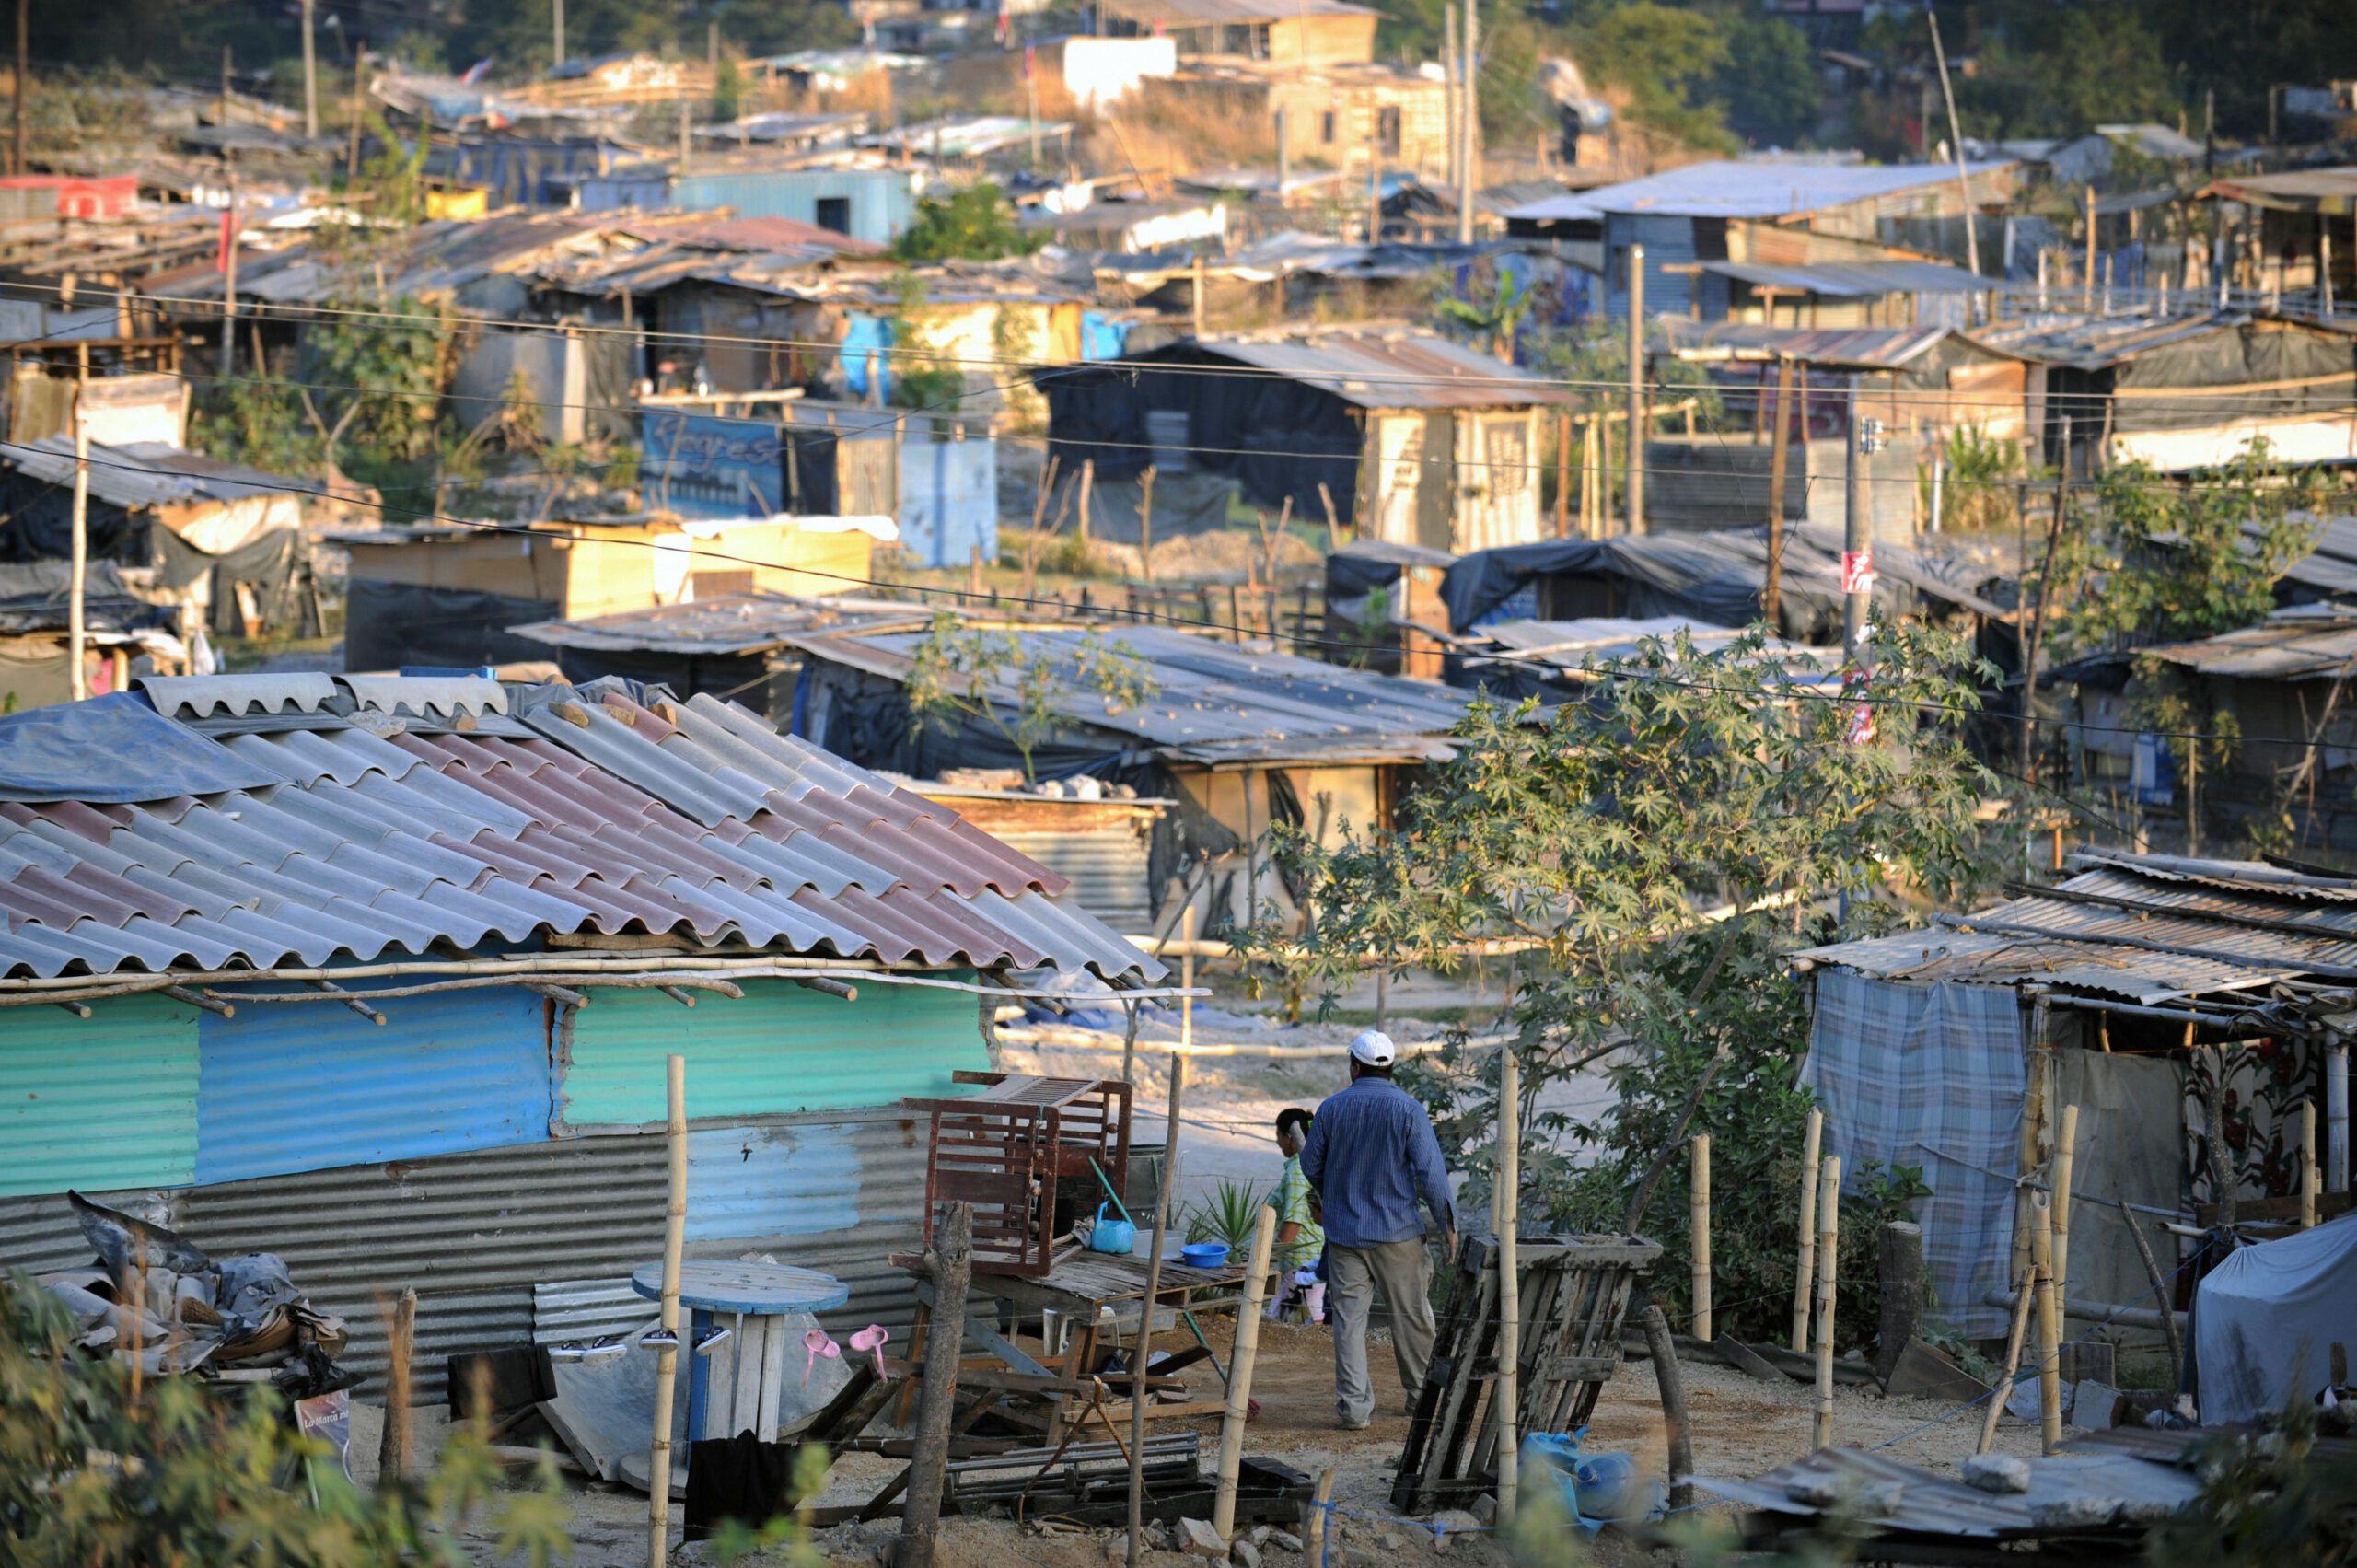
(1348, 1423)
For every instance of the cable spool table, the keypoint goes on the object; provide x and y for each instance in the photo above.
(756, 1300)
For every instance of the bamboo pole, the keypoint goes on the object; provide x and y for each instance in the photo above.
(1508, 1396)
(1186, 983)
(2049, 1325)
(2309, 1185)
(667, 1359)
(2065, 1162)
(1313, 1518)
(1700, 1213)
(77, 678)
(2022, 1300)
(1828, 1250)
(1803, 1277)
(1239, 1374)
(1138, 1347)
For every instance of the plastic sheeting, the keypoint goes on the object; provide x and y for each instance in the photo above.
(114, 749)
(387, 625)
(2266, 1318)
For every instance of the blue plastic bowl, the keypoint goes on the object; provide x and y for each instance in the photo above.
(1204, 1254)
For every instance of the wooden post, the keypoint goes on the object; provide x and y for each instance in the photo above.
(1186, 976)
(1088, 484)
(667, 1360)
(1562, 476)
(1632, 484)
(1313, 1518)
(1195, 297)
(1678, 1427)
(1828, 1252)
(400, 1348)
(1900, 1257)
(1138, 1347)
(2064, 1161)
(2050, 1324)
(952, 1269)
(1333, 522)
(1508, 1396)
(1145, 525)
(1779, 455)
(2308, 1169)
(2022, 1299)
(1699, 1213)
(1239, 1373)
(1803, 1277)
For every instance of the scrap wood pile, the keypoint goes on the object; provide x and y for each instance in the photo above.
(158, 1299)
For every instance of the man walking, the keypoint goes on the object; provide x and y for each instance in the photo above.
(1371, 1153)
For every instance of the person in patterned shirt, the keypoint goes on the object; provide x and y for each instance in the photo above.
(1301, 1245)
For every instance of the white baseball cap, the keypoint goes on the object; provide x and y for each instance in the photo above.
(1373, 1047)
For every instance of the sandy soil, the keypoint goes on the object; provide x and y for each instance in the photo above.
(1741, 1427)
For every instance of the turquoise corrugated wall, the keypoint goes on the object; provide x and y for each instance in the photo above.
(776, 1049)
(97, 1103)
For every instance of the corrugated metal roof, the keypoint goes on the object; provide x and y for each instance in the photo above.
(147, 473)
(733, 624)
(1991, 958)
(2308, 642)
(1865, 348)
(2301, 190)
(1727, 189)
(1391, 370)
(1206, 692)
(610, 818)
(1571, 644)
(1855, 279)
(430, 261)
(2094, 342)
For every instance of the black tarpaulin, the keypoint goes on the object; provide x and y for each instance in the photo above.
(270, 562)
(387, 625)
(2258, 370)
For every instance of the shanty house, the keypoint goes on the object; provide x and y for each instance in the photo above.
(122, 635)
(379, 974)
(2180, 392)
(1407, 436)
(1765, 217)
(2177, 1014)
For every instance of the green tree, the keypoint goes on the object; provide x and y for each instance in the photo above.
(1023, 690)
(1667, 62)
(974, 225)
(923, 375)
(1682, 777)
(380, 367)
(1771, 85)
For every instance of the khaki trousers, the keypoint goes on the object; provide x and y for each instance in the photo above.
(1403, 1271)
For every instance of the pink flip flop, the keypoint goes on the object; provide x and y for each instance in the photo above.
(872, 1338)
(817, 1343)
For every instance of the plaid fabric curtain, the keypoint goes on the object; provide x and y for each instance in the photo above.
(1930, 1076)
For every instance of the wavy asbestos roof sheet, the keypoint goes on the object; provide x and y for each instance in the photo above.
(609, 818)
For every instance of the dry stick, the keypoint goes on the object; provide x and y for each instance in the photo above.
(1239, 1374)
(1698, 1217)
(667, 1359)
(2221, 1176)
(400, 1340)
(1153, 1288)
(1145, 526)
(1087, 483)
(952, 1270)
(2065, 1161)
(1643, 1199)
(1508, 1182)
(1673, 1405)
(1031, 541)
(1828, 1252)
(1802, 1279)
(2160, 1296)
(2049, 1325)
(2309, 1185)
(2022, 1300)
(1333, 524)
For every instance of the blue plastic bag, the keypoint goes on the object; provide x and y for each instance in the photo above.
(1596, 1489)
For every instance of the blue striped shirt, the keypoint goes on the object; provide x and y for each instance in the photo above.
(1371, 1151)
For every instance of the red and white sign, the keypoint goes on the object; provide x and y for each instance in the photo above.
(1857, 571)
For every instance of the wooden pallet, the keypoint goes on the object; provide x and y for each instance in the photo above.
(1575, 1292)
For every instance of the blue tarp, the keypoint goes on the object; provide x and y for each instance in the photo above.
(1102, 338)
(861, 334)
(111, 749)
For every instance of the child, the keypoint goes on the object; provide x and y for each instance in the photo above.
(1301, 1244)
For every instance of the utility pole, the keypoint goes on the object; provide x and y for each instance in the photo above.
(75, 631)
(24, 79)
(1858, 529)
(310, 74)
(229, 286)
(557, 9)
(1633, 484)
(1469, 109)
(1956, 138)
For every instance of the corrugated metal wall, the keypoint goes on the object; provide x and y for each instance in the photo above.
(106, 1101)
(1107, 869)
(287, 1089)
(881, 200)
(473, 1232)
(779, 1049)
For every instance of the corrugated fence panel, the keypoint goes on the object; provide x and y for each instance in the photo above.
(1107, 871)
(779, 1049)
(287, 1087)
(474, 1232)
(107, 1101)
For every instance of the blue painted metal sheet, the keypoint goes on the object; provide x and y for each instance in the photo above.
(708, 466)
(948, 500)
(865, 342)
(777, 1049)
(99, 1103)
(880, 201)
(286, 1086)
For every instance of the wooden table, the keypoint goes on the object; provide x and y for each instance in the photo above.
(751, 1362)
(1081, 1287)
